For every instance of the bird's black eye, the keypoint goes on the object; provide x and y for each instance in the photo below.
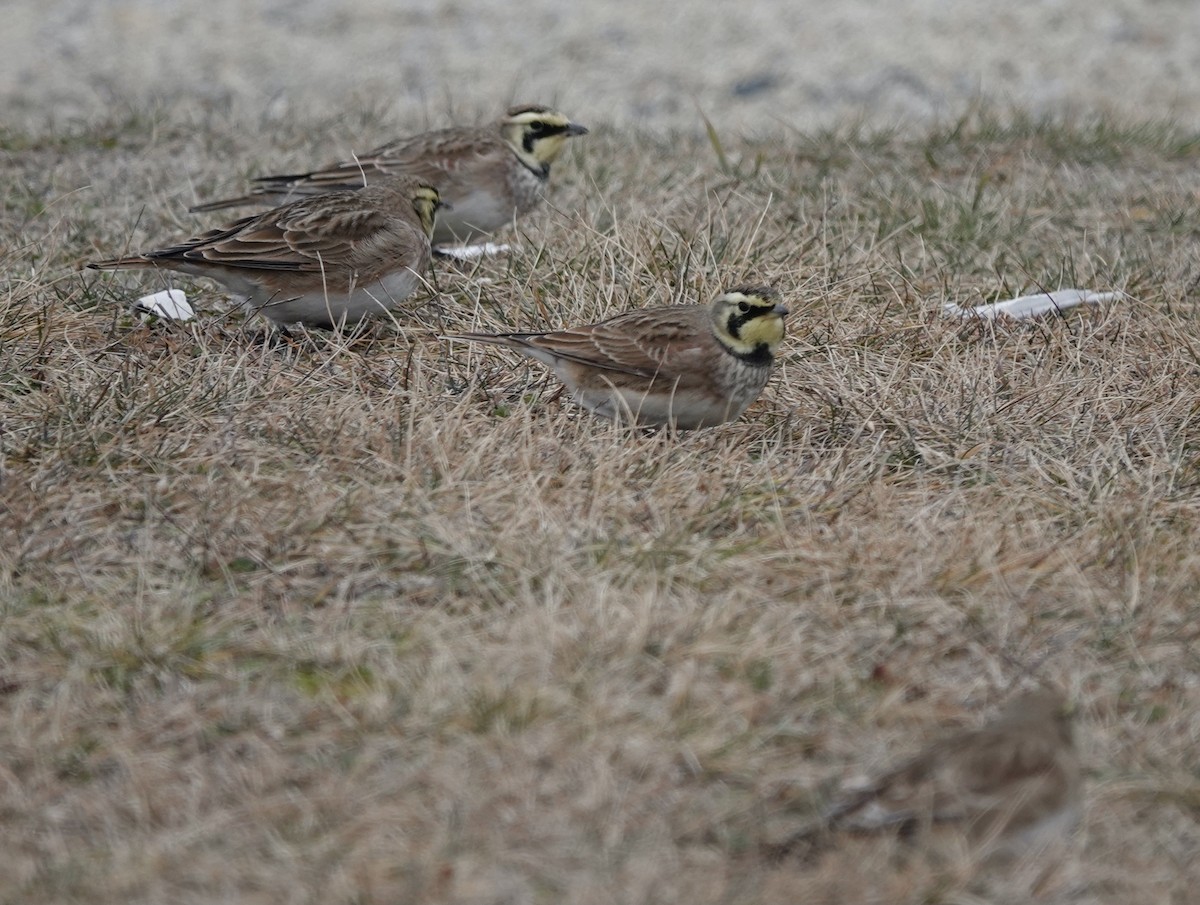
(537, 128)
(743, 307)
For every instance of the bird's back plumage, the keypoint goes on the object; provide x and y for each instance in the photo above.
(655, 366)
(1014, 781)
(486, 175)
(321, 260)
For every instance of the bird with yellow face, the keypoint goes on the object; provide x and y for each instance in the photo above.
(687, 366)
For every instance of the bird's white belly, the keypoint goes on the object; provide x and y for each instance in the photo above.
(472, 215)
(656, 408)
(330, 308)
(1049, 830)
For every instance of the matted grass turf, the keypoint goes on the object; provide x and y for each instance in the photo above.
(378, 618)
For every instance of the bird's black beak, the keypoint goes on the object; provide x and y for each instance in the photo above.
(576, 129)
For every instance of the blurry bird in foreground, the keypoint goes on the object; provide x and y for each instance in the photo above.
(1013, 785)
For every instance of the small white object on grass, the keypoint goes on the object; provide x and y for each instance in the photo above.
(170, 304)
(469, 252)
(1031, 305)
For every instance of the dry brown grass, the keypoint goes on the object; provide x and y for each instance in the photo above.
(378, 619)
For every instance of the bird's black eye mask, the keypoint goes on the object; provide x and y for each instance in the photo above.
(744, 314)
(536, 131)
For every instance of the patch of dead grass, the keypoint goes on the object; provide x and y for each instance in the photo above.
(378, 618)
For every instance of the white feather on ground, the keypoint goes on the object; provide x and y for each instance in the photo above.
(170, 304)
(468, 252)
(1027, 306)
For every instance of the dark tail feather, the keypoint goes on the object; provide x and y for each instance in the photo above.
(224, 203)
(279, 183)
(118, 263)
(268, 190)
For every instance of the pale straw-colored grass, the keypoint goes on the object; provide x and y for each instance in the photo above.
(381, 618)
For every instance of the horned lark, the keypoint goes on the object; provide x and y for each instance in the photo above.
(323, 261)
(487, 176)
(687, 365)
(1013, 783)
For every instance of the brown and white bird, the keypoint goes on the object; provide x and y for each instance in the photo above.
(325, 261)
(1016, 782)
(686, 365)
(487, 176)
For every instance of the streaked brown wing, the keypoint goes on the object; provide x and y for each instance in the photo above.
(653, 342)
(997, 760)
(302, 236)
(432, 158)
(336, 231)
(959, 777)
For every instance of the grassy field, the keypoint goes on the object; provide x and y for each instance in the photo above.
(379, 619)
